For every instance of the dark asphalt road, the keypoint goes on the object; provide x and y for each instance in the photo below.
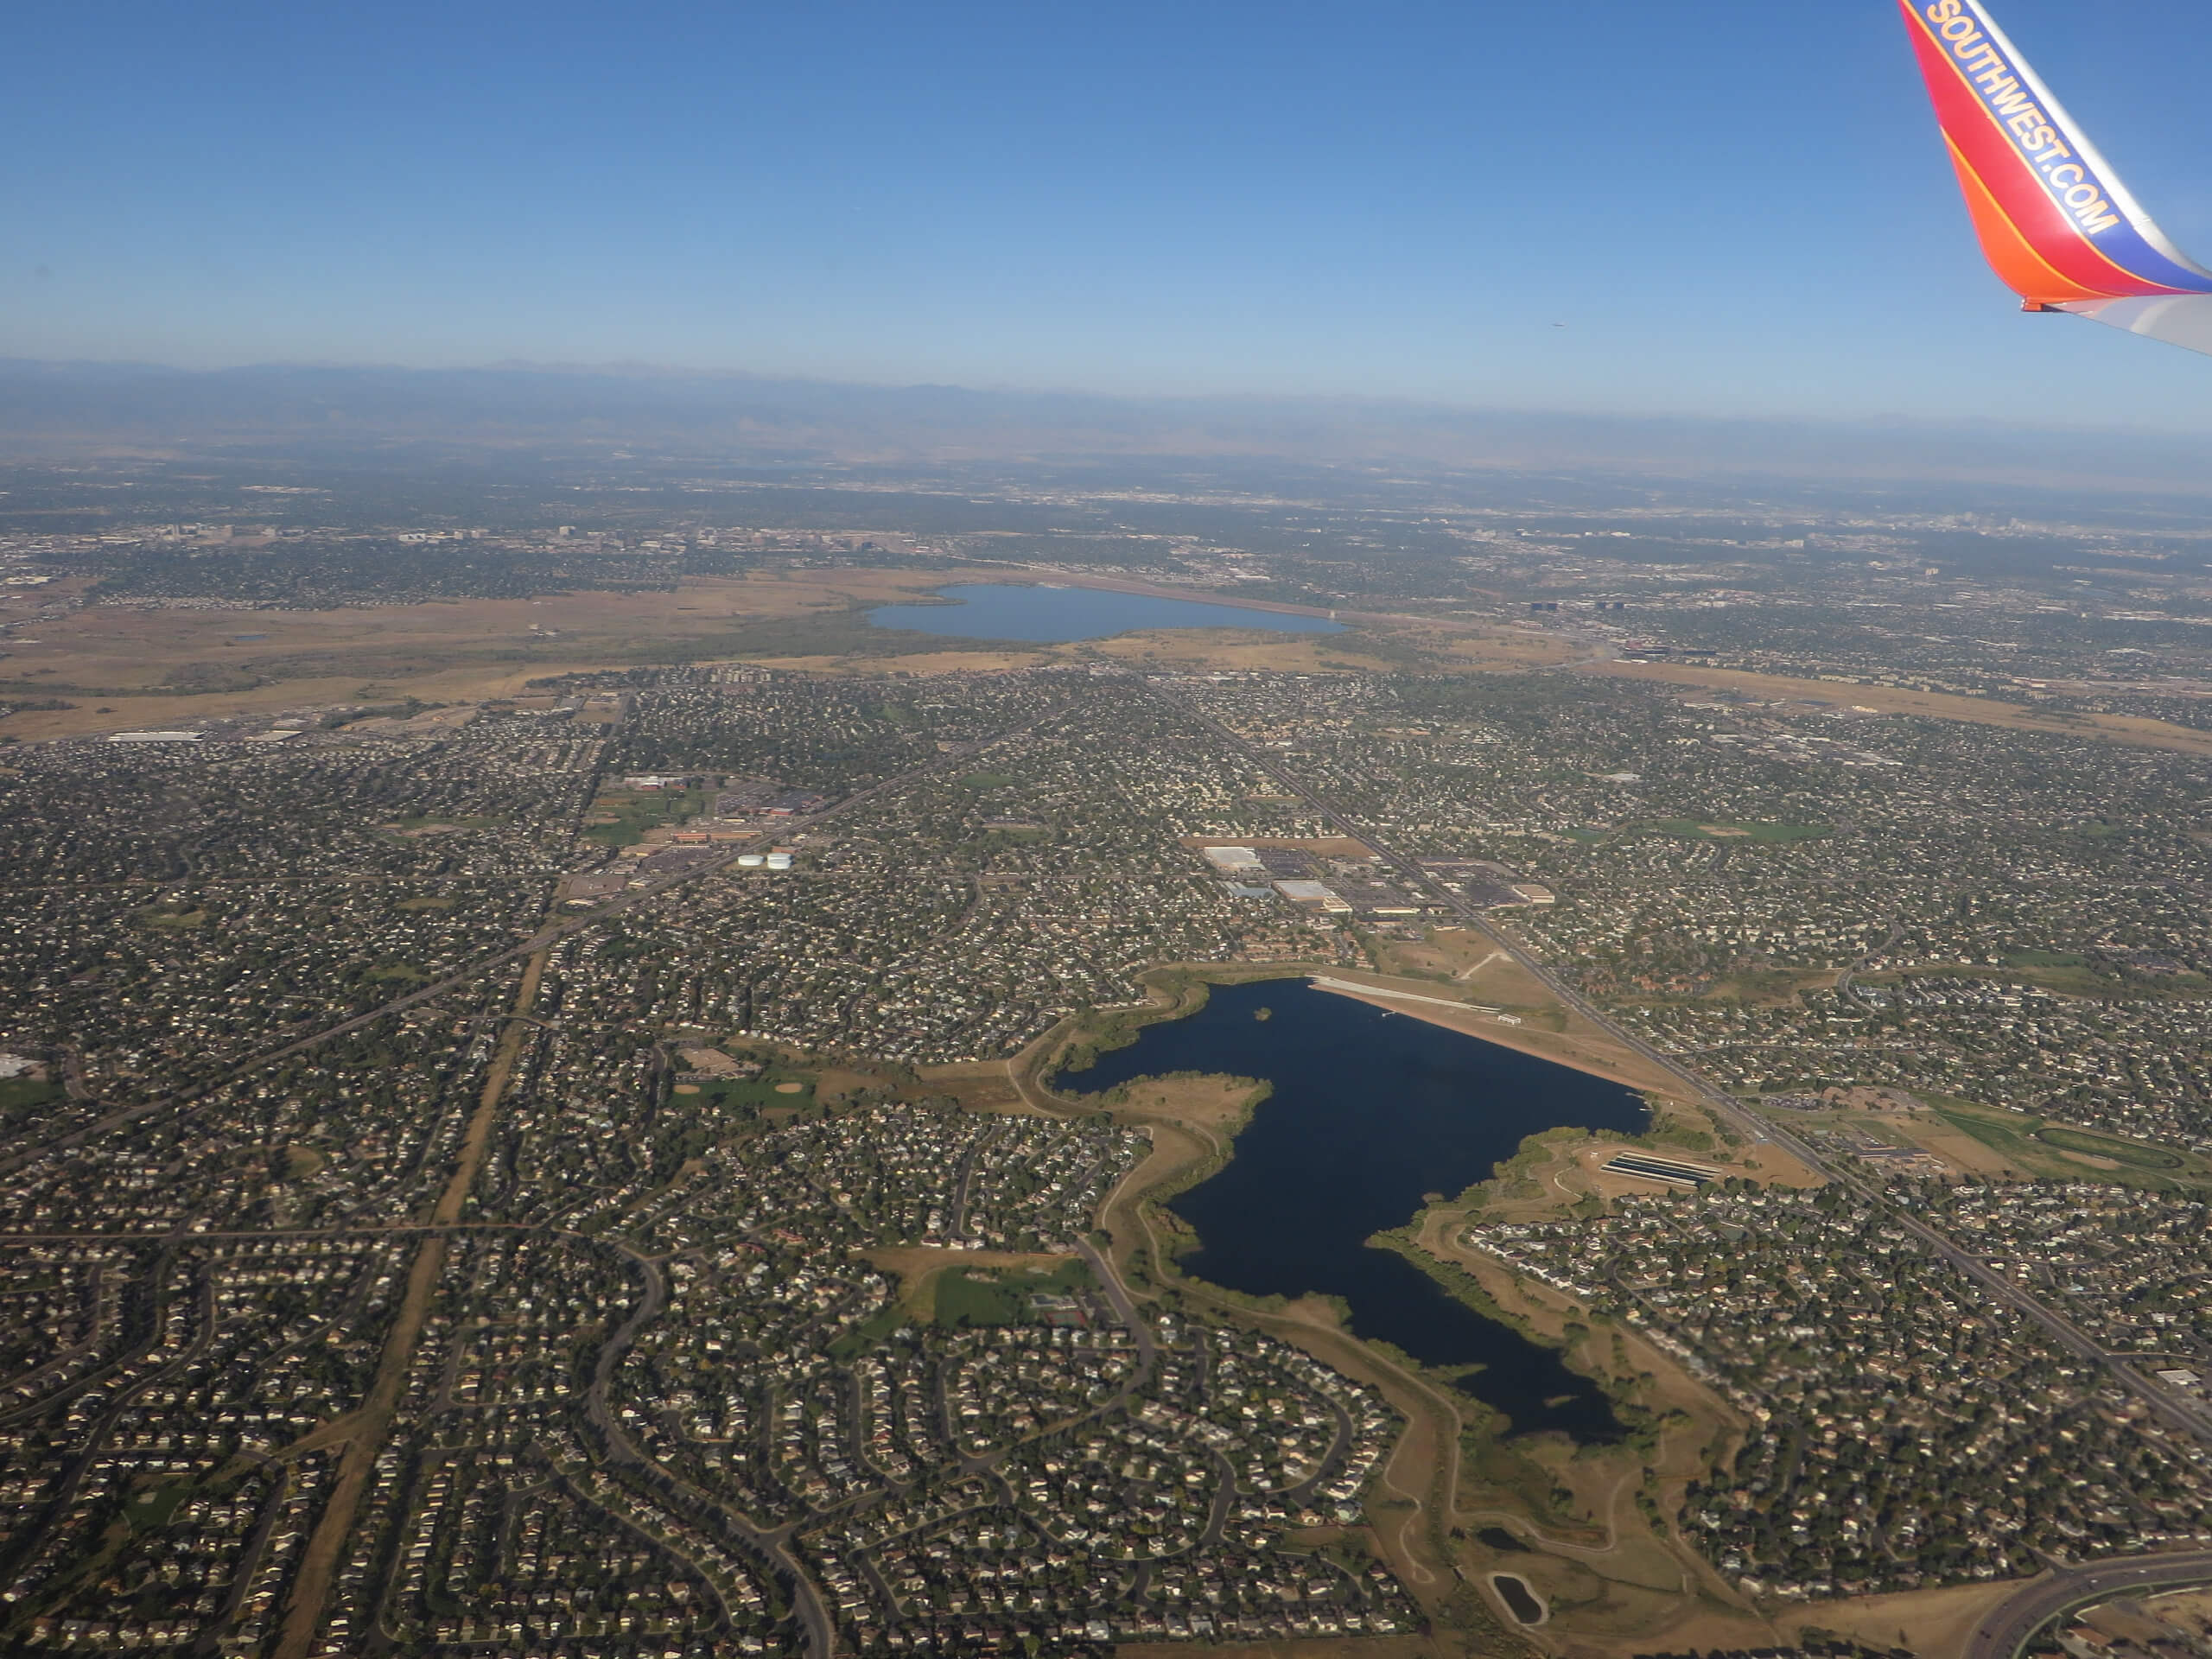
(2012, 1622)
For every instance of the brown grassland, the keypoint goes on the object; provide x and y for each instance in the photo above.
(133, 660)
(1941, 705)
(127, 668)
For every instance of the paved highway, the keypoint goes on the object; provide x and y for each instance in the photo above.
(2002, 1631)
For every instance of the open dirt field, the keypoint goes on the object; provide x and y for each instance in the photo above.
(1197, 648)
(126, 668)
(1585, 1171)
(1496, 648)
(1573, 1169)
(1375, 641)
(132, 662)
(1465, 962)
(1216, 1106)
(1933, 1623)
(1456, 956)
(835, 1085)
(1941, 705)
(980, 1085)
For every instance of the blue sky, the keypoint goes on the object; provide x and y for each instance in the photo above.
(1735, 208)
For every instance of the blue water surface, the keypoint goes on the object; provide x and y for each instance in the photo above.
(1057, 615)
(1370, 1110)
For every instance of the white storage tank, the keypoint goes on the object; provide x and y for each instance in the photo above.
(779, 860)
(750, 861)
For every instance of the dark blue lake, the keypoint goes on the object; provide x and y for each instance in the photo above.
(1057, 615)
(1370, 1110)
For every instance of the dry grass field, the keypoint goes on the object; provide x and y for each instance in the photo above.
(130, 663)
(1216, 1106)
(126, 668)
(1941, 705)
(1377, 645)
(979, 1085)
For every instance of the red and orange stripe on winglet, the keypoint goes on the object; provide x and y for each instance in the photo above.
(2055, 221)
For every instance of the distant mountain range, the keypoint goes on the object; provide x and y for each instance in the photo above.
(61, 409)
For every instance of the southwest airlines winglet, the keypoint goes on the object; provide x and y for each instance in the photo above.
(2054, 220)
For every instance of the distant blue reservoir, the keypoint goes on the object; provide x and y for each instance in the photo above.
(1370, 1110)
(1057, 615)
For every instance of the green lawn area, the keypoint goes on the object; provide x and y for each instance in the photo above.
(869, 1331)
(21, 1096)
(1725, 830)
(2038, 1147)
(2134, 1153)
(968, 1296)
(772, 1089)
(154, 1507)
(173, 918)
(633, 811)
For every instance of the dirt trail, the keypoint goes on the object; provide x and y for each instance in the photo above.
(364, 1432)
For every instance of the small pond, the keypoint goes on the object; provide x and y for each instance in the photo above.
(1517, 1597)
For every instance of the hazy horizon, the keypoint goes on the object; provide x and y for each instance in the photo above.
(395, 417)
(1748, 218)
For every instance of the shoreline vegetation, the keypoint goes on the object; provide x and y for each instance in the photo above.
(1590, 1524)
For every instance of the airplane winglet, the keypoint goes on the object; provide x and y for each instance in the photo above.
(2056, 223)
